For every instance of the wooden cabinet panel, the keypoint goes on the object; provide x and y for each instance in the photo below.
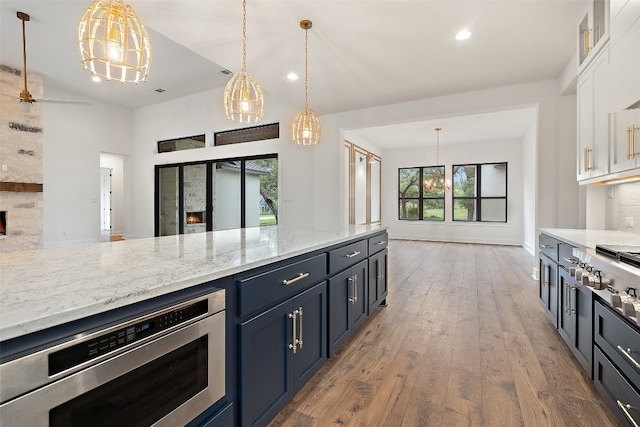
(346, 256)
(271, 372)
(616, 336)
(377, 279)
(616, 390)
(548, 288)
(262, 290)
(378, 243)
(348, 306)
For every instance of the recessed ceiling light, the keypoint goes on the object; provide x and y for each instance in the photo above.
(463, 34)
(292, 76)
(95, 78)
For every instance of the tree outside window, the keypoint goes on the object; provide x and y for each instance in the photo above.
(421, 193)
(480, 192)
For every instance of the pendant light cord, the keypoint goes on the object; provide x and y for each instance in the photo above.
(244, 35)
(306, 69)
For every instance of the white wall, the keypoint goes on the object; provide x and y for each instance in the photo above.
(544, 95)
(74, 138)
(510, 232)
(529, 189)
(204, 113)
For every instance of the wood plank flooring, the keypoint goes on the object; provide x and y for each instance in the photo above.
(463, 342)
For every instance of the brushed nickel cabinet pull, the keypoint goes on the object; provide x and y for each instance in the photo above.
(355, 288)
(545, 247)
(381, 242)
(627, 354)
(351, 255)
(351, 279)
(625, 408)
(300, 317)
(379, 268)
(546, 271)
(294, 316)
(295, 279)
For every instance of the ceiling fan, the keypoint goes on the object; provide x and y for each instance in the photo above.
(25, 97)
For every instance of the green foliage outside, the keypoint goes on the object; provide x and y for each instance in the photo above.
(269, 189)
(464, 185)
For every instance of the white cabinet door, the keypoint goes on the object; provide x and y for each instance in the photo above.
(625, 140)
(594, 104)
(593, 31)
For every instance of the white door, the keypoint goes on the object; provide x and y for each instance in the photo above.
(105, 199)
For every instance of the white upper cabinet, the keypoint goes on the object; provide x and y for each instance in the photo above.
(593, 119)
(593, 31)
(608, 90)
(625, 140)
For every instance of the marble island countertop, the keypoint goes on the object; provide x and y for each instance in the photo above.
(588, 239)
(48, 287)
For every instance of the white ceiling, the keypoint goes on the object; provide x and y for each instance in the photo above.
(361, 53)
(477, 128)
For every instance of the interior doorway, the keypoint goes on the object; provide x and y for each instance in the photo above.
(112, 197)
(105, 200)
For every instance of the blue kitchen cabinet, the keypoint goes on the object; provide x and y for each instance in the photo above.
(348, 303)
(280, 350)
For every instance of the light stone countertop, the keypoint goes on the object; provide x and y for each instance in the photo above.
(588, 239)
(48, 287)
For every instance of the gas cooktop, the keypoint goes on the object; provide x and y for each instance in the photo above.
(625, 254)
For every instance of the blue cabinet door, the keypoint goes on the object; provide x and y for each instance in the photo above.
(265, 381)
(270, 372)
(377, 280)
(348, 305)
(566, 308)
(340, 290)
(312, 331)
(359, 306)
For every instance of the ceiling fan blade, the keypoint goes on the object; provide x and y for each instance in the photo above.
(10, 96)
(62, 101)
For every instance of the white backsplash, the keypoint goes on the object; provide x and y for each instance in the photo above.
(629, 206)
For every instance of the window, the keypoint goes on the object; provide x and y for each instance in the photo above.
(179, 144)
(216, 195)
(421, 193)
(255, 133)
(480, 192)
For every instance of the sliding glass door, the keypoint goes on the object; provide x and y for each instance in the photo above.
(216, 195)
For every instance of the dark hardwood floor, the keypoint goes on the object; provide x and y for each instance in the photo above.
(463, 342)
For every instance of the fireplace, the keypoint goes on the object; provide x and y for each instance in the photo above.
(3, 223)
(195, 217)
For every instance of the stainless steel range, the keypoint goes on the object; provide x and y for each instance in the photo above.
(629, 255)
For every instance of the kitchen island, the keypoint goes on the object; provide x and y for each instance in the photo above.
(337, 274)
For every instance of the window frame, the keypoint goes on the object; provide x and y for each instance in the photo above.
(210, 165)
(421, 195)
(478, 198)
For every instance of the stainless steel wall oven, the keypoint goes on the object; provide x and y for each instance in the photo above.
(161, 368)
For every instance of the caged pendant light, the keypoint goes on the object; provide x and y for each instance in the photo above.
(113, 43)
(306, 128)
(243, 100)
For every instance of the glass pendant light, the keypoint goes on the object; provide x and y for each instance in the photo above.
(439, 181)
(306, 128)
(243, 100)
(113, 43)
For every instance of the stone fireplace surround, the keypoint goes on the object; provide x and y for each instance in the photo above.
(21, 150)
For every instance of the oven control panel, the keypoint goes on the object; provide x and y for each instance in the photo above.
(97, 346)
